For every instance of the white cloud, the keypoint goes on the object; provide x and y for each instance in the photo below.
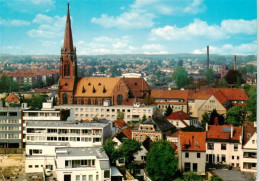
(154, 49)
(132, 19)
(40, 2)
(14, 22)
(142, 13)
(242, 49)
(49, 27)
(239, 26)
(195, 7)
(201, 29)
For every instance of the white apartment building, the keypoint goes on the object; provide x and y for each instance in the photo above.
(82, 164)
(224, 144)
(249, 150)
(83, 112)
(84, 134)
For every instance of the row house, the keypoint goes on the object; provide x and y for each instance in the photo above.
(192, 152)
(131, 113)
(224, 144)
(176, 99)
(249, 149)
(157, 128)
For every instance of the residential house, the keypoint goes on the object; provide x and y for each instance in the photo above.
(181, 119)
(157, 128)
(249, 150)
(12, 99)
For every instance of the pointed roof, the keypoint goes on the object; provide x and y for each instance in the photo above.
(12, 98)
(68, 41)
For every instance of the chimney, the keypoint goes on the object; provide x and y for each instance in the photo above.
(207, 126)
(235, 62)
(207, 57)
(216, 121)
(231, 135)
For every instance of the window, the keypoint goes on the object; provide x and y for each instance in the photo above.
(186, 155)
(186, 166)
(107, 174)
(195, 167)
(237, 157)
(198, 155)
(233, 157)
(218, 158)
(235, 147)
(120, 99)
(65, 98)
(90, 177)
(223, 146)
(210, 146)
(84, 178)
(143, 157)
(77, 177)
(121, 160)
(97, 177)
(36, 166)
(253, 141)
(30, 166)
(223, 158)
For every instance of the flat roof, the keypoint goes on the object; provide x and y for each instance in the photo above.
(99, 152)
(66, 124)
(49, 143)
(99, 106)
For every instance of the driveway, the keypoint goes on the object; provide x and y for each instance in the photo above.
(229, 175)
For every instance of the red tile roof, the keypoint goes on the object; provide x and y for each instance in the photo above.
(232, 94)
(199, 94)
(30, 73)
(220, 97)
(171, 94)
(223, 132)
(137, 86)
(127, 131)
(179, 115)
(248, 131)
(120, 123)
(12, 98)
(193, 141)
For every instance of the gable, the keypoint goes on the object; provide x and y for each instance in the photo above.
(210, 104)
(250, 144)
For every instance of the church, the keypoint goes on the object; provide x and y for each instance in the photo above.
(94, 90)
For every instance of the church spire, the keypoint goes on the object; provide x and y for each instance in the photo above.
(68, 41)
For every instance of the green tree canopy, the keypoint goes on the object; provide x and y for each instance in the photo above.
(236, 115)
(210, 76)
(128, 149)
(37, 101)
(192, 176)
(205, 120)
(252, 103)
(120, 115)
(180, 77)
(8, 85)
(112, 153)
(161, 162)
(27, 86)
(215, 178)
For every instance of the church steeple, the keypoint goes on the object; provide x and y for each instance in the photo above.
(68, 41)
(68, 60)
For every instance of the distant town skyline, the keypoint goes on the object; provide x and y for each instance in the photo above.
(35, 27)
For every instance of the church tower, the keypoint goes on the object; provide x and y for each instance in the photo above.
(68, 66)
(68, 60)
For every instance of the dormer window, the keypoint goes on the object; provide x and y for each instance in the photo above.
(89, 84)
(104, 90)
(83, 90)
(196, 144)
(94, 90)
(99, 84)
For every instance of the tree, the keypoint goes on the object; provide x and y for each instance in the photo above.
(215, 178)
(192, 176)
(120, 115)
(180, 77)
(213, 115)
(252, 103)
(232, 75)
(128, 149)
(37, 101)
(161, 162)
(205, 120)
(27, 86)
(236, 115)
(210, 76)
(7, 84)
(94, 119)
(144, 118)
(222, 83)
(112, 153)
(168, 111)
(239, 82)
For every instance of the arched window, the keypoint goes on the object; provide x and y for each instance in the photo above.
(96, 101)
(65, 98)
(68, 69)
(89, 101)
(82, 101)
(120, 99)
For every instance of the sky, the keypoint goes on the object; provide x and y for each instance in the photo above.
(36, 27)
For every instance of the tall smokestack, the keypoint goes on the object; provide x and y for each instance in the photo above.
(207, 57)
(235, 62)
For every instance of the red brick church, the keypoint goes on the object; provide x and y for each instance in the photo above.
(93, 90)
